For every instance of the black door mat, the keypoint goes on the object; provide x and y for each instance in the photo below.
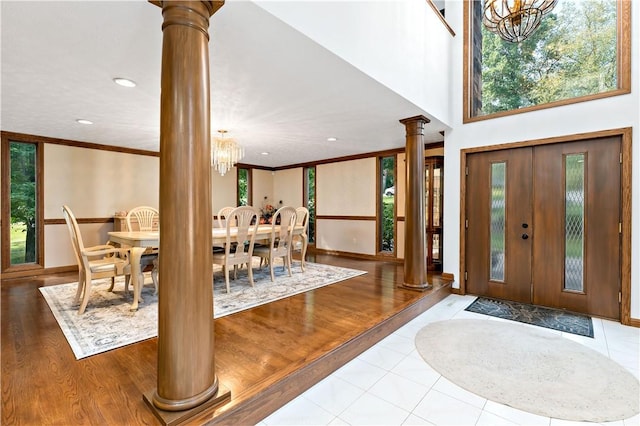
(537, 315)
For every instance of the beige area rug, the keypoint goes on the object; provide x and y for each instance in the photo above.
(531, 369)
(109, 324)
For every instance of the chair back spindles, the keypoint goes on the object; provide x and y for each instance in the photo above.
(237, 251)
(282, 227)
(287, 216)
(223, 215)
(147, 218)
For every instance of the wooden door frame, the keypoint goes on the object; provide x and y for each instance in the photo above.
(625, 264)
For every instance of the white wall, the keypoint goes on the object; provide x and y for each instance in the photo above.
(401, 43)
(610, 113)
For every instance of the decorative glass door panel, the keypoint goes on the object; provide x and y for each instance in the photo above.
(433, 184)
(543, 225)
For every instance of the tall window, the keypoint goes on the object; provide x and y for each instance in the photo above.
(310, 199)
(387, 175)
(497, 229)
(21, 245)
(433, 184)
(244, 186)
(574, 186)
(579, 52)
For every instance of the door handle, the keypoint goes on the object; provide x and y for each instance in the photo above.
(525, 236)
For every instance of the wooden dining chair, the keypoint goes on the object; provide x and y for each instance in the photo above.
(238, 250)
(223, 215)
(300, 241)
(148, 219)
(280, 239)
(101, 261)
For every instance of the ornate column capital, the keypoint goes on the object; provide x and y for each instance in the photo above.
(415, 125)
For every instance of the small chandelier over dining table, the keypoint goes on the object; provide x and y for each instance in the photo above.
(515, 20)
(225, 153)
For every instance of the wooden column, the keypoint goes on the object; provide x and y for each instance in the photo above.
(186, 366)
(415, 253)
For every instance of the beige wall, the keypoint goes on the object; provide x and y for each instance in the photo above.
(97, 183)
(58, 250)
(346, 188)
(287, 187)
(262, 187)
(94, 184)
(351, 236)
(224, 189)
(400, 239)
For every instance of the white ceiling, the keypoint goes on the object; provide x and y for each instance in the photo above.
(272, 88)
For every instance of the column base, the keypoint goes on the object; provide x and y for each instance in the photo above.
(417, 287)
(170, 418)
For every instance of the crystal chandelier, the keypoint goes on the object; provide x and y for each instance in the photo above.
(515, 20)
(225, 153)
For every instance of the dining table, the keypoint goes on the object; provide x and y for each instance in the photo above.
(139, 241)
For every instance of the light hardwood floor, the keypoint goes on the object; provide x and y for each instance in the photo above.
(266, 355)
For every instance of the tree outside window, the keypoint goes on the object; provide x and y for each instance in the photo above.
(572, 54)
(23, 232)
(387, 204)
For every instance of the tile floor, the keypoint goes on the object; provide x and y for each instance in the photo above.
(390, 384)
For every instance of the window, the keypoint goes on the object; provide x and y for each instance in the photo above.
(386, 215)
(433, 186)
(310, 199)
(244, 186)
(497, 229)
(22, 246)
(574, 187)
(581, 51)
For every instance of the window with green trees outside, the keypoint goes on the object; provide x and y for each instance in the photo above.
(579, 51)
(23, 222)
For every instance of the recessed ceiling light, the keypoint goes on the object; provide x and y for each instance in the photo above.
(332, 139)
(125, 82)
(83, 121)
(264, 153)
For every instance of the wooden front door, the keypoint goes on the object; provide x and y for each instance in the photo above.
(576, 258)
(543, 225)
(499, 196)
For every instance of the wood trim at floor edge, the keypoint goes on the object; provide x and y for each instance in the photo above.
(262, 404)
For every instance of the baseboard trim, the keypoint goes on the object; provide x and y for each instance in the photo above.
(356, 255)
(634, 322)
(448, 276)
(38, 272)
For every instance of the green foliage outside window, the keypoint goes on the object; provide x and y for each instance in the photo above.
(387, 217)
(243, 187)
(311, 202)
(23, 202)
(387, 224)
(572, 54)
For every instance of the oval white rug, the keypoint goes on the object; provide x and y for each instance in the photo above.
(531, 369)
